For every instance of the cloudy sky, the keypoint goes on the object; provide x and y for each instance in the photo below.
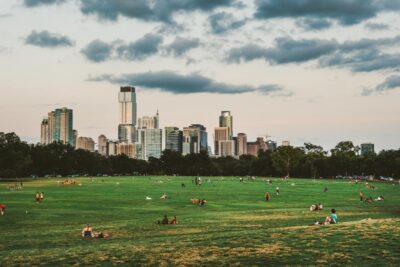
(317, 71)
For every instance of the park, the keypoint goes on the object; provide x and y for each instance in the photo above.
(235, 227)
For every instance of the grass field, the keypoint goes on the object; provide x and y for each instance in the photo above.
(236, 227)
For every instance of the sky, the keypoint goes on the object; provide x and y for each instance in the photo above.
(319, 71)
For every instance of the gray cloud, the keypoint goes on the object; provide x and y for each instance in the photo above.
(157, 10)
(47, 39)
(286, 50)
(390, 83)
(360, 56)
(181, 45)
(140, 49)
(313, 24)
(97, 51)
(222, 22)
(346, 12)
(172, 82)
(35, 3)
(376, 26)
(5, 15)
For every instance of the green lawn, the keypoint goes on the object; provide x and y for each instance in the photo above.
(236, 227)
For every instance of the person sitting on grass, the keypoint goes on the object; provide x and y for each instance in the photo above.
(203, 202)
(380, 198)
(331, 219)
(173, 221)
(87, 232)
(2, 209)
(325, 189)
(164, 220)
(267, 196)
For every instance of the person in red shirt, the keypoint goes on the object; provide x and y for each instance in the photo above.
(2, 208)
(173, 221)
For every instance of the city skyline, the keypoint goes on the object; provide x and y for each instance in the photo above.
(230, 57)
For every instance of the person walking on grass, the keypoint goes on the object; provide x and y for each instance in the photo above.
(277, 190)
(361, 196)
(41, 197)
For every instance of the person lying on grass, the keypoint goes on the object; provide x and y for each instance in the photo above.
(316, 207)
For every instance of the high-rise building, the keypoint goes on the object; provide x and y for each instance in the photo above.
(285, 143)
(173, 139)
(127, 105)
(59, 126)
(75, 137)
(220, 134)
(241, 144)
(85, 143)
(271, 145)
(45, 132)
(226, 148)
(367, 148)
(253, 148)
(127, 133)
(226, 120)
(194, 139)
(148, 122)
(126, 149)
(128, 114)
(102, 145)
(151, 140)
(112, 148)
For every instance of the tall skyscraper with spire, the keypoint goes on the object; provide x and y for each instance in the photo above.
(128, 114)
(226, 120)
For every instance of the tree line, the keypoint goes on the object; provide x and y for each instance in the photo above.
(19, 159)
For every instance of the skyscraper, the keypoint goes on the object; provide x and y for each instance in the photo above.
(127, 105)
(367, 148)
(126, 149)
(149, 122)
(226, 120)
(85, 143)
(151, 141)
(220, 134)
(58, 125)
(45, 132)
(128, 114)
(102, 145)
(241, 144)
(226, 148)
(195, 139)
(173, 139)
